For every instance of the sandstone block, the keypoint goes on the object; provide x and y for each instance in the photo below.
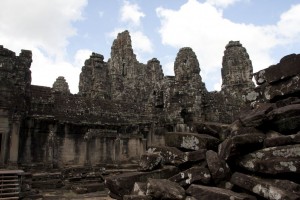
(191, 175)
(218, 168)
(122, 184)
(170, 155)
(191, 141)
(149, 162)
(164, 189)
(205, 192)
(273, 160)
(269, 189)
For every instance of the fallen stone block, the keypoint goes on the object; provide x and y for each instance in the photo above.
(287, 67)
(194, 174)
(280, 140)
(191, 141)
(170, 155)
(267, 188)
(240, 145)
(285, 119)
(211, 128)
(193, 156)
(205, 192)
(137, 197)
(218, 168)
(273, 160)
(256, 116)
(122, 184)
(164, 189)
(149, 162)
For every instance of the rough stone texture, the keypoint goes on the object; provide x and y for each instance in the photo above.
(192, 141)
(122, 184)
(273, 160)
(139, 188)
(149, 162)
(137, 197)
(218, 168)
(164, 189)
(288, 66)
(285, 119)
(240, 144)
(191, 175)
(60, 85)
(170, 155)
(281, 140)
(205, 192)
(269, 189)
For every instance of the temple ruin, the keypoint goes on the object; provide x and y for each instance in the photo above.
(125, 107)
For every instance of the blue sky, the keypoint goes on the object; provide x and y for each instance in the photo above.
(62, 34)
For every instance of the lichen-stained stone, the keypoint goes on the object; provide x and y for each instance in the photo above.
(191, 141)
(193, 156)
(149, 162)
(164, 189)
(139, 188)
(285, 119)
(218, 168)
(282, 89)
(240, 144)
(287, 67)
(122, 184)
(273, 160)
(267, 188)
(170, 155)
(191, 175)
(215, 193)
(280, 140)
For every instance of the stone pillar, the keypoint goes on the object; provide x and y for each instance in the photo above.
(14, 140)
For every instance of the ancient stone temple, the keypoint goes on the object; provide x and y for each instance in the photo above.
(122, 105)
(178, 140)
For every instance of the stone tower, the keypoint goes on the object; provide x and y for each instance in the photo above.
(94, 80)
(237, 70)
(61, 85)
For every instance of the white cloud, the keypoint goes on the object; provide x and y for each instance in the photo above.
(80, 56)
(203, 27)
(131, 13)
(43, 27)
(222, 3)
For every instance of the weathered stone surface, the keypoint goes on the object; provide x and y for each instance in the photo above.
(211, 128)
(122, 184)
(269, 189)
(137, 197)
(164, 189)
(60, 85)
(149, 162)
(191, 175)
(170, 155)
(205, 192)
(193, 156)
(236, 67)
(218, 168)
(240, 144)
(192, 141)
(273, 160)
(257, 116)
(283, 89)
(287, 67)
(280, 140)
(139, 188)
(285, 119)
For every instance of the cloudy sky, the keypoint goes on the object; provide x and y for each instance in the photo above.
(63, 33)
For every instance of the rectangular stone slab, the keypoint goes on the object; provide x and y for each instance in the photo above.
(122, 184)
(191, 141)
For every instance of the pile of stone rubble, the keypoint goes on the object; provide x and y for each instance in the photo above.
(255, 157)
